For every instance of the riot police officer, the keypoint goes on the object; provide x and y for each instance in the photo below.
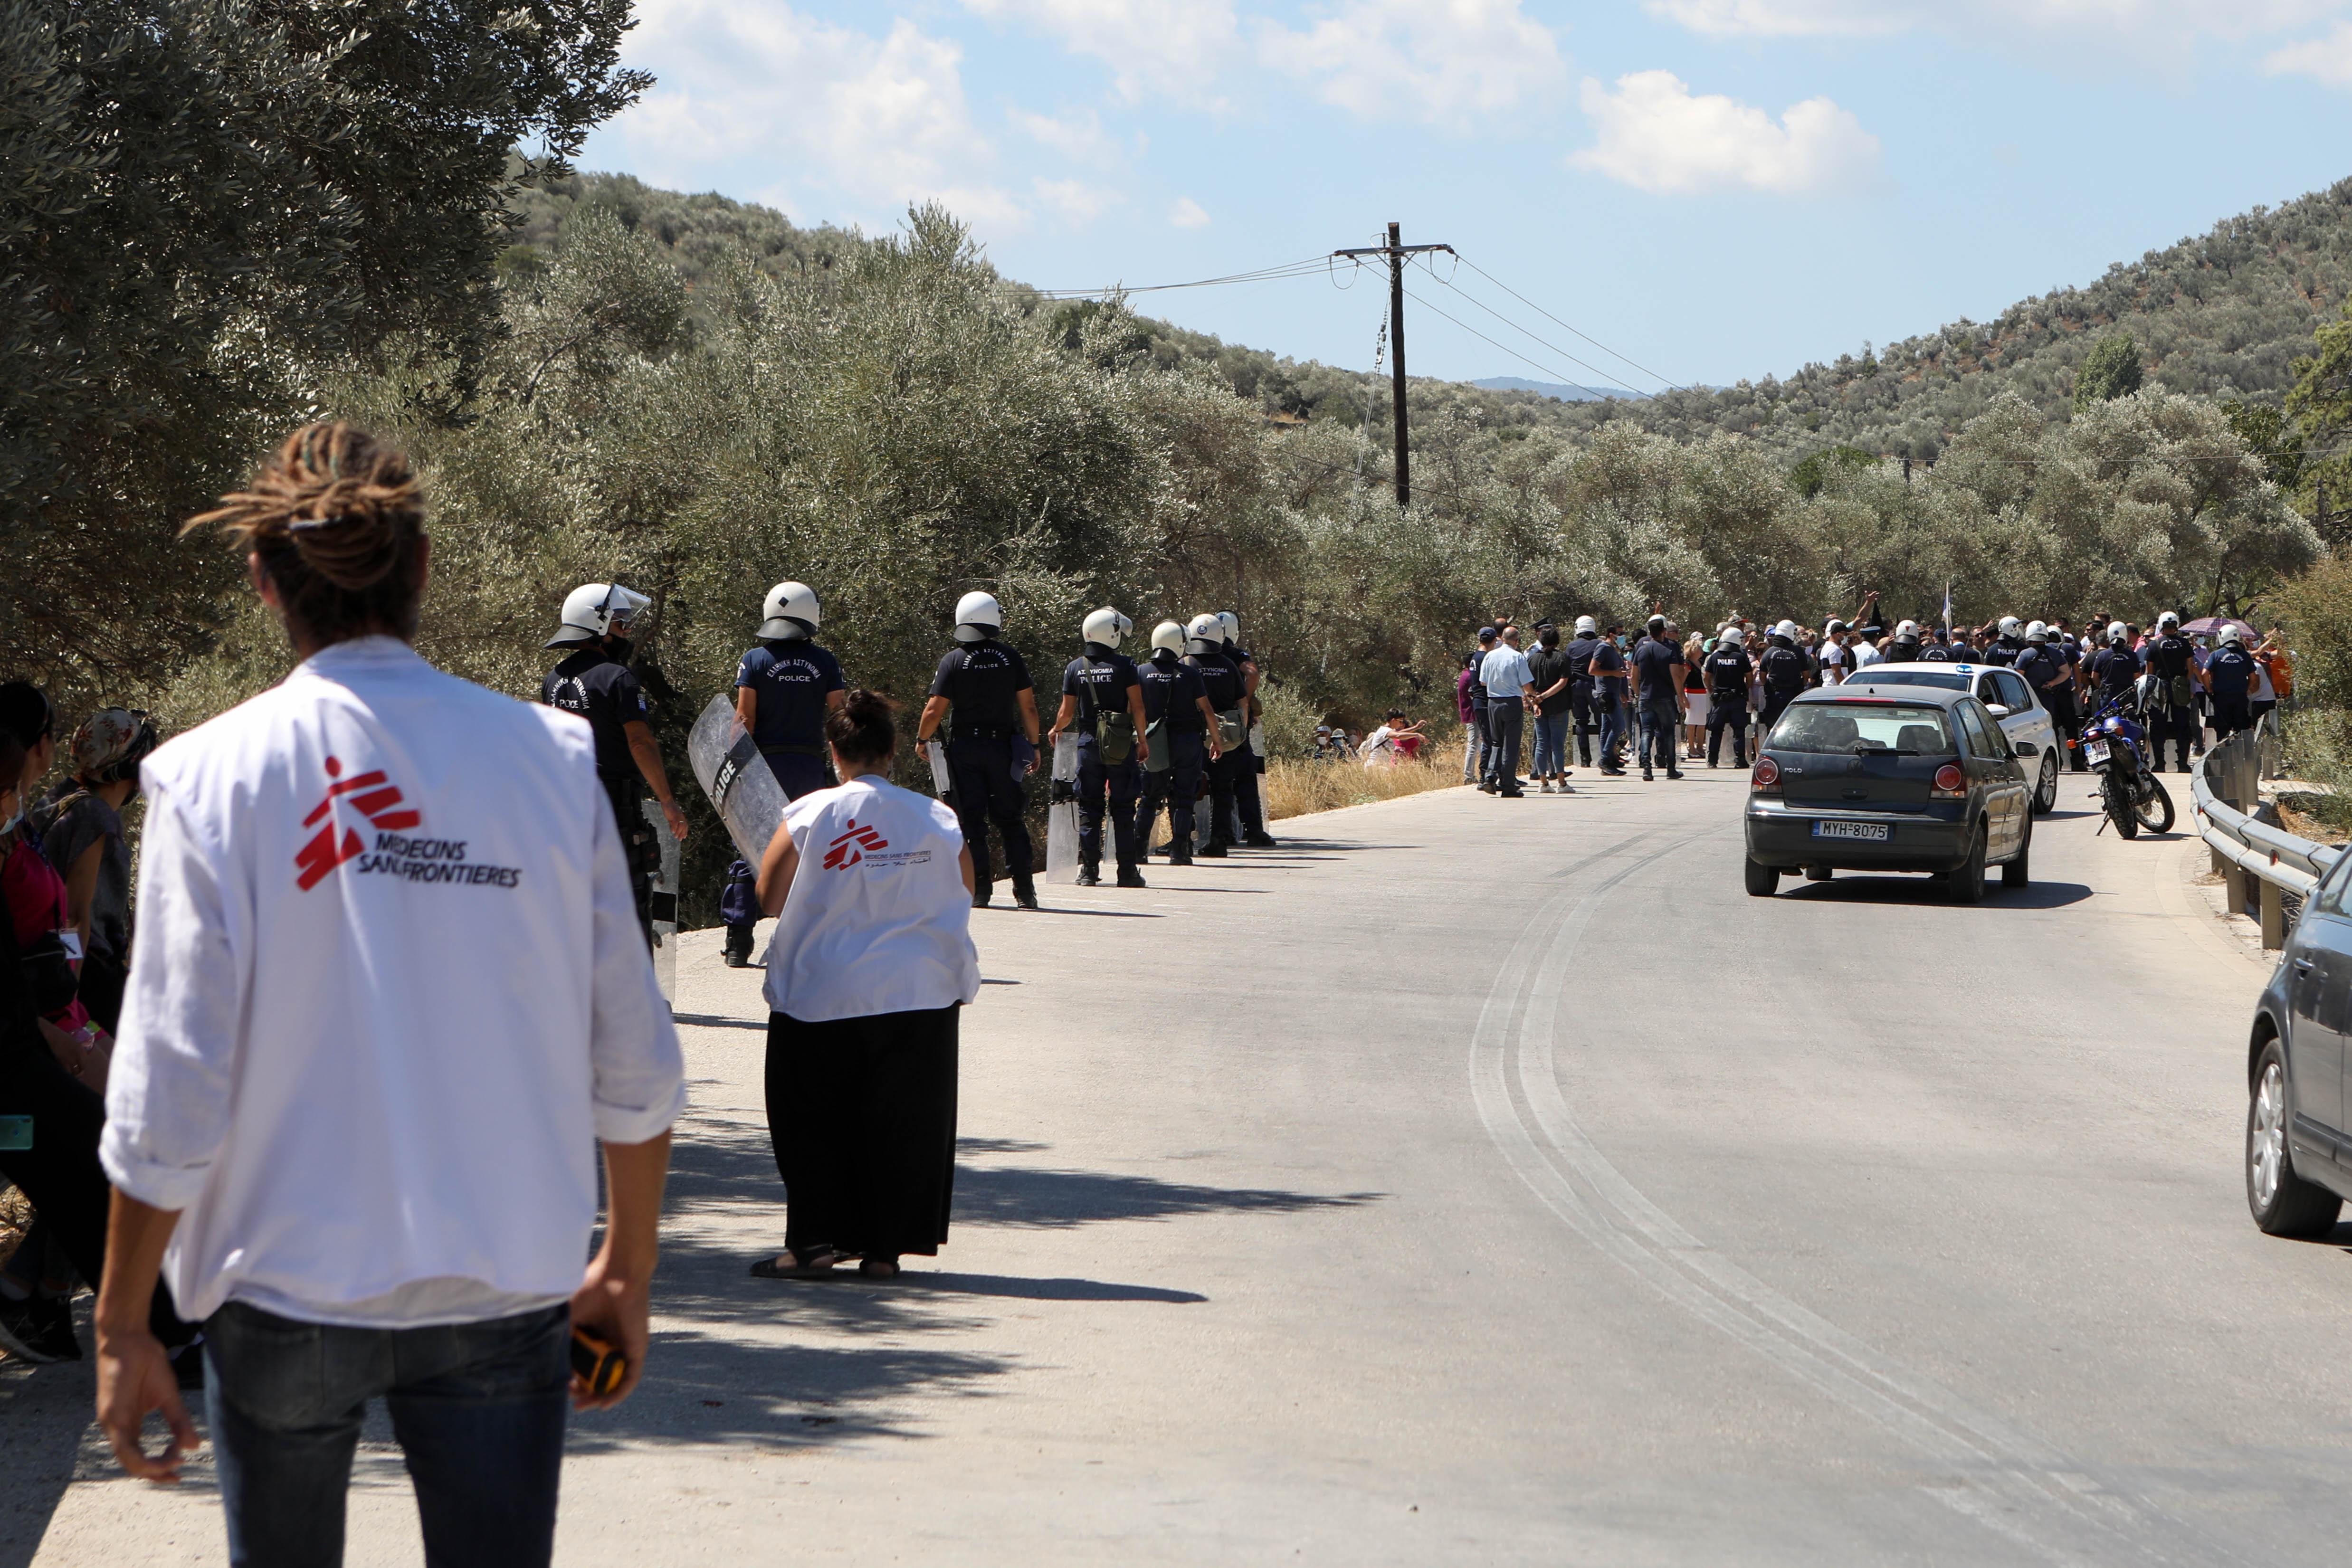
(1103, 700)
(1177, 716)
(2116, 668)
(2173, 659)
(2047, 670)
(1245, 786)
(595, 682)
(982, 691)
(2008, 645)
(1726, 669)
(783, 688)
(1784, 669)
(1222, 684)
(1907, 648)
(2230, 676)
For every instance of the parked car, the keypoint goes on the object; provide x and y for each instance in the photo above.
(1888, 779)
(2007, 696)
(2298, 1146)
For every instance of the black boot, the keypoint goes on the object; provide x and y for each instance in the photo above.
(1089, 874)
(1258, 838)
(1131, 877)
(1024, 892)
(1181, 853)
(1214, 850)
(981, 893)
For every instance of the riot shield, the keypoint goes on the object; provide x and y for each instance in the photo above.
(1062, 812)
(937, 755)
(736, 777)
(664, 902)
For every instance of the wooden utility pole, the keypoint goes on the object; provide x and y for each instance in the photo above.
(1396, 251)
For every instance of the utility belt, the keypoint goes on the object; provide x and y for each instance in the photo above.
(791, 751)
(983, 732)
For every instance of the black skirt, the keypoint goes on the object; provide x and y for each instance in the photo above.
(862, 1112)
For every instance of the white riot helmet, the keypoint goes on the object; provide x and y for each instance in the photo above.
(1786, 629)
(2168, 619)
(978, 617)
(1168, 634)
(2037, 632)
(2233, 632)
(1107, 626)
(790, 611)
(1206, 633)
(1733, 635)
(1907, 632)
(1586, 626)
(1232, 624)
(2117, 633)
(594, 611)
(2009, 626)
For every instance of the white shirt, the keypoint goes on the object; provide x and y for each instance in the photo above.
(1377, 746)
(388, 991)
(1866, 654)
(877, 920)
(1504, 673)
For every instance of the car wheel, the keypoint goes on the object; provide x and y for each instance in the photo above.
(2283, 1204)
(2045, 793)
(2015, 871)
(1763, 882)
(1968, 877)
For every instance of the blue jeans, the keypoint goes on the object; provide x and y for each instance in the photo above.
(1662, 730)
(1613, 730)
(1551, 744)
(478, 1409)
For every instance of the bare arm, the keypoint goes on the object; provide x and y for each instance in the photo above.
(615, 1296)
(1135, 712)
(1209, 717)
(747, 705)
(935, 710)
(963, 866)
(777, 869)
(647, 752)
(1029, 713)
(134, 1376)
(1062, 718)
(81, 888)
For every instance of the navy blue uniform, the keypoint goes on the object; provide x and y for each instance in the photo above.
(1171, 707)
(988, 754)
(2231, 669)
(1726, 669)
(1656, 668)
(602, 690)
(1222, 683)
(790, 678)
(2174, 718)
(2116, 669)
(1932, 653)
(2004, 650)
(1784, 668)
(1100, 679)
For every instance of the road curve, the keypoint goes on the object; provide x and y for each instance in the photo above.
(1495, 1181)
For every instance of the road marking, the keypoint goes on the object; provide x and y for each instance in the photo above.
(1998, 1475)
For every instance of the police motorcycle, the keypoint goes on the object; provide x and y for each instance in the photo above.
(2115, 747)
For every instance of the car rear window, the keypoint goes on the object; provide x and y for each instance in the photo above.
(1909, 678)
(1854, 728)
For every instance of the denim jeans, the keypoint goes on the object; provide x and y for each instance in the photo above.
(1551, 744)
(1662, 730)
(1613, 730)
(478, 1409)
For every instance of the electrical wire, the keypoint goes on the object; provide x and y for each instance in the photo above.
(1306, 268)
(1550, 317)
(1514, 327)
(1547, 369)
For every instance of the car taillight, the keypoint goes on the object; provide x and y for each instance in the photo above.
(1766, 776)
(1950, 780)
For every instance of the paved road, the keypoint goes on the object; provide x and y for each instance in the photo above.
(1475, 1181)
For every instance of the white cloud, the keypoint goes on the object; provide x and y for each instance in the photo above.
(1172, 49)
(1654, 135)
(1187, 214)
(1078, 202)
(2163, 24)
(1442, 61)
(2327, 59)
(1078, 137)
(877, 122)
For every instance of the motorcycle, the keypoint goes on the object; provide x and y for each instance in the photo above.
(2115, 747)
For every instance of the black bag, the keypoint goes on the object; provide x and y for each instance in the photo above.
(47, 970)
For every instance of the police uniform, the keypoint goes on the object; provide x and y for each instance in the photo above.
(602, 690)
(1727, 703)
(2045, 664)
(2003, 650)
(1928, 653)
(1172, 710)
(1222, 683)
(2115, 668)
(1783, 667)
(2175, 715)
(2231, 669)
(987, 754)
(789, 679)
(1100, 679)
(1580, 650)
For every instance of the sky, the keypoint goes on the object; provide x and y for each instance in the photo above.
(1711, 189)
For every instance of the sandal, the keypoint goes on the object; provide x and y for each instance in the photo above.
(878, 1269)
(817, 1265)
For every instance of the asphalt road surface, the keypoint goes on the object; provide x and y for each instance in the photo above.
(1483, 1181)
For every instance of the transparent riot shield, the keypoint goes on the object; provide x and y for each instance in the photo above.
(937, 755)
(1062, 813)
(736, 777)
(664, 903)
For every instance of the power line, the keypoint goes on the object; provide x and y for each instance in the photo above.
(1531, 337)
(1306, 267)
(1550, 317)
(1482, 337)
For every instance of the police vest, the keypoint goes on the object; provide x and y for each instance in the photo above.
(1784, 671)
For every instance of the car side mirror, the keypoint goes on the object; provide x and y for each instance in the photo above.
(1997, 710)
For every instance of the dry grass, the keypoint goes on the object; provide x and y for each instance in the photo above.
(1292, 788)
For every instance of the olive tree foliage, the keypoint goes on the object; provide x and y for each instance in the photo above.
(2111, 369)
(204, 203)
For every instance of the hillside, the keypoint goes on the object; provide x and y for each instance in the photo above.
(2224, 314)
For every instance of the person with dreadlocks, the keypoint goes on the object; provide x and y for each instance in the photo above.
(390, 995)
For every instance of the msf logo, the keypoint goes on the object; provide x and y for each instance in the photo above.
(370, 797)
(852, 846)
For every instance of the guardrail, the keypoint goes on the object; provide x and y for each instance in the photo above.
(2225, 792)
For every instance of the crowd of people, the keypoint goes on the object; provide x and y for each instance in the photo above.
(1657, 696)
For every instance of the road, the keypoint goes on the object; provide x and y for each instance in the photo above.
(1482, 1181)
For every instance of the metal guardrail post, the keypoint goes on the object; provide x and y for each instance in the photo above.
(2273, 917)
(2234, 877)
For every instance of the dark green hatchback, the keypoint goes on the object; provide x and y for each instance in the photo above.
(1888, 779)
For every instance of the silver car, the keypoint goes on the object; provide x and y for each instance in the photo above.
(2032, 733)
(2299, 1136)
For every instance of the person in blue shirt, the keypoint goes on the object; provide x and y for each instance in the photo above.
(1102, 699)
(784, 689)
(2230, 678)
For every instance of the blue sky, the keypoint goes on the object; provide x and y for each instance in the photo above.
(1713, 188)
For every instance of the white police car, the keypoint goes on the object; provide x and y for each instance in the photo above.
(2032, 733)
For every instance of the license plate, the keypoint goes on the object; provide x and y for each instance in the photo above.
(2096, 752)
(1872, 832)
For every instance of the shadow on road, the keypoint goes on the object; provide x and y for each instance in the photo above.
(1854, 888)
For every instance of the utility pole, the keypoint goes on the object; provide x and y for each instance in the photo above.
(1396, 251)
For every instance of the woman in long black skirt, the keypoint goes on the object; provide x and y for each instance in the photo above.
(871, 962)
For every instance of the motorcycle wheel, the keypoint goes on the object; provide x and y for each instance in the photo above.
(2155, 808)
(2119, 807)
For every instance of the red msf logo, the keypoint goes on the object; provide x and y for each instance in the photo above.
(849, 848)
(371, 797)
